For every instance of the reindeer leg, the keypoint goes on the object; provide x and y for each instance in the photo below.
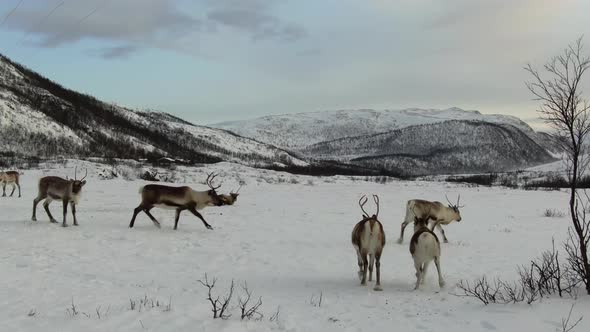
(365, 265)
(442, 231)
(13, 188)
(441, 281)
(46, 206)
(18, 189)
(371, 263)
(378, 267)
(73, 205)
(4, 189)
(35, 202)
(177, 217)
(360, 262)
(135, 212)
(424, 269)
(65, 209)
(418, 273)
(196, 213)
(401, 234)
(154, 220)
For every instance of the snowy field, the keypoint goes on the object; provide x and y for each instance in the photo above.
(289, 241)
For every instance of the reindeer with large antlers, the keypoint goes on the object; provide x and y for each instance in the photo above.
(56, 188)
(177, 198)
(434, 212)
(368, 239)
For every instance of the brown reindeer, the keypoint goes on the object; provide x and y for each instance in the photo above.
(10, 177)
(178, 198)
(56, 188)
(368, 239)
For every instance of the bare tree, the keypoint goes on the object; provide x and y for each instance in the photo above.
(565, 109)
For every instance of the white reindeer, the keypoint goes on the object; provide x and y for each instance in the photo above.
(435, 212)
(368, 239)
(425, 247)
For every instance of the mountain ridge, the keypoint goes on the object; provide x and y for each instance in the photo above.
(42, 118)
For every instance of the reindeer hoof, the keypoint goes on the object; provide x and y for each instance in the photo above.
(378, 288)
(64, 225)
(400, 241)
(441, 283)
(33, 219)
(76, 224)
(446, 241)
(209, 227)
(53, 221)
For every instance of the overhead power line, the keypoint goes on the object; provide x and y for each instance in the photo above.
(42, 20)
(11, 12)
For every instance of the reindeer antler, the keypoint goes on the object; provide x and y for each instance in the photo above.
(362, 201)
(85, 174)
(237, 191)
(459, 198)
(210, 177)
(448, 200)
(457, 204)
(376, 199)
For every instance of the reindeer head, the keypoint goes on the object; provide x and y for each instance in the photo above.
(363, 200)
(422, 221)
(455, 208)
(215, 199)
(231, 198)
(78, 184)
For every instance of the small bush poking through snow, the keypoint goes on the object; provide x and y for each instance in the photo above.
(553, 213)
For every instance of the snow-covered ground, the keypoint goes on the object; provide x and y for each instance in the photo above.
(288, 237)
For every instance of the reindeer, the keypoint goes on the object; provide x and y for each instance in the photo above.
(66, 190)
(368, 238)
(10, 177)
(178, 198)
(425, 247)
(435, 211)
(231, 198)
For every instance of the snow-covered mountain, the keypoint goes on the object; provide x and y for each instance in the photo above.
(41, 118)
(297, 131)
(410, 142)
(453, 146)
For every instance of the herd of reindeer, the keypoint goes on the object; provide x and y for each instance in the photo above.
(368, 236)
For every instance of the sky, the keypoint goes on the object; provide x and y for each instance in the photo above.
(218, 60)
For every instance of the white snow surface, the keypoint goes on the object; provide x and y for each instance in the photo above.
(303, 129)
(288, 237)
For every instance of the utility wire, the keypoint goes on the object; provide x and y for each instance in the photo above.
(99, 7)
(82, 19)
(11, 12)
(42, 20)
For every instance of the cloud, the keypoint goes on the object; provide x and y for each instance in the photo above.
(117, 52)
(253, 17)
(131, 25)
(128, 22)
